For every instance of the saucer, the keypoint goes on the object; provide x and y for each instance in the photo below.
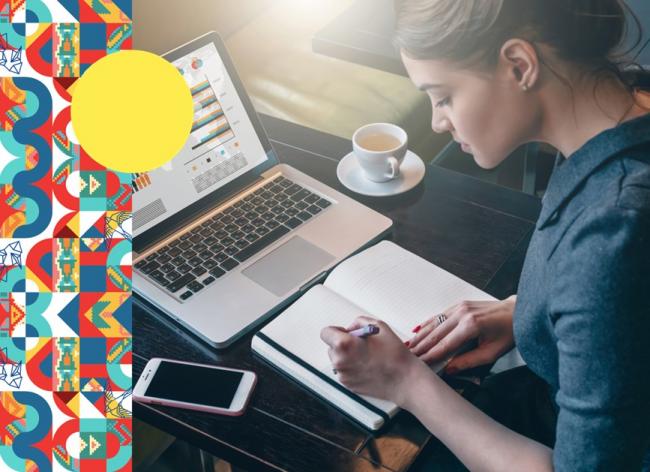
(351, 176)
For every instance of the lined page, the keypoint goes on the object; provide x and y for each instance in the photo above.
(399, 287)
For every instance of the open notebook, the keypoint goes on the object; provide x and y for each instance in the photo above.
(384, 281)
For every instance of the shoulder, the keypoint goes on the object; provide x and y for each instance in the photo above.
(634, 190)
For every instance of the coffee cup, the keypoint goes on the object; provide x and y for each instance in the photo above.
(380, 149)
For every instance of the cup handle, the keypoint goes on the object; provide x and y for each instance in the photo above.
(393, 168)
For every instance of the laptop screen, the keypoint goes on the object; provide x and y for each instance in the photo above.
(223, 144)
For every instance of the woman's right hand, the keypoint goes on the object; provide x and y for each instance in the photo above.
(489, 321)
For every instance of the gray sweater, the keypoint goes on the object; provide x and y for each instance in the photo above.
(582, 320)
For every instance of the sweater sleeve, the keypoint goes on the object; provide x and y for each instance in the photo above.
(601, 320)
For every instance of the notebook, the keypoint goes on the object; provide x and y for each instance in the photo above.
(384, 281)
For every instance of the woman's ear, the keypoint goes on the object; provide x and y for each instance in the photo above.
(520, 63)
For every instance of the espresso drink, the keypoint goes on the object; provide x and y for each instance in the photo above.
(378, 142)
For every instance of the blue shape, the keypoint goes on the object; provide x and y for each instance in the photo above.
(19, 343)
(72, 6)
(46, 366)
(93, 36)
(125, 6)
(46, 52)
(24, 182)
(92, 350)
(23, 443)
(46, 262)
(92, 278)
(123, 315)
(70, 314)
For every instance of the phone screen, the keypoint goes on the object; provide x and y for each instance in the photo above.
(194, 384)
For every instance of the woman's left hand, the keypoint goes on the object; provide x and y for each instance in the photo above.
(379, 365)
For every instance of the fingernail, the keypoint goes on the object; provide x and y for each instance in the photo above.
(417, 328)
(407, 343)
(451, 370)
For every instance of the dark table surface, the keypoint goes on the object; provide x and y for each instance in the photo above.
(363, 35)
(473, 229)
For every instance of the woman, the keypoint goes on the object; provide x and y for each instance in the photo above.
(501, 73)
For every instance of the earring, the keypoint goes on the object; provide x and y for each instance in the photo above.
(524, 87)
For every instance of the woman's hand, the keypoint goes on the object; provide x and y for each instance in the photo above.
(379, 365)
(489, 321)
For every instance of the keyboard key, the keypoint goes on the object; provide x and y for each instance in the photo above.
(266, 195)
(166, 268)
(262, 209)
(210, 264)
(186, 295)
(241, 244)
(304, 215)
(208, 280)
(215, 248)
(238, 235)
(207, 231)
(313, 209)
(164, 259)
(199, 270)
(272, 224)
(231, 250)
(185, 244)
(174, 243)
(261, 243)
(229, 264)
(210, 240)
(159, 277)
(184, 236)
(195, 261)
(286, 203)
(217, 226)
(313, 198)
(226, 220)
(195, 286)
(242, 221)
(282, 218)
(257, 201)
(217, 272)
(252, 237)
(189, 254)
(236, 213)
(323, 203)
(284, 183)
(248, 228)
(205, 255)
(173, 275)
(196, 238)
(176, 285)
(221, 257)
(262, 230)
(140, 264)
(296, 197)
(293, 222)
(301, 205)
(220, 234)
(227, 241)
(257, 222)
(231, 228)
(292, 189)
(249, 197)
(174, 251)
(291, 211)
(200, 247)
(183, 268)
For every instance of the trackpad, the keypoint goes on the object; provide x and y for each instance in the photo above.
(287, 266)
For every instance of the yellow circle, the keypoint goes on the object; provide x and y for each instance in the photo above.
(132, 111)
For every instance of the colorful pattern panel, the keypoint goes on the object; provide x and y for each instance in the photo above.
(65, 248)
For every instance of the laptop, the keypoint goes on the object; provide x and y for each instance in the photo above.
(225, 236)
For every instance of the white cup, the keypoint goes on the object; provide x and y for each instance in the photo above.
(380, 149)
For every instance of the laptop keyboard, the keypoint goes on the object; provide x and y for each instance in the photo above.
(200, 256)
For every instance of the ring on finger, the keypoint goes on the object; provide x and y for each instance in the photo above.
(441, 318)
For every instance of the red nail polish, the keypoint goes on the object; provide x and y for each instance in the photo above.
(407, 343)
(417, 328)
(451, 370)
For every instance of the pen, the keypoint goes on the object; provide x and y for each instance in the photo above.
(364, 331)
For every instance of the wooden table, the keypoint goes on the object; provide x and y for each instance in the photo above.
(473, 229)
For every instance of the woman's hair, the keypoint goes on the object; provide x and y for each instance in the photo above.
(588, 33)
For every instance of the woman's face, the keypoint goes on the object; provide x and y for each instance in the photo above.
(488, 114)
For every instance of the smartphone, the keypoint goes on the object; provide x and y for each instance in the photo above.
(195, 386)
